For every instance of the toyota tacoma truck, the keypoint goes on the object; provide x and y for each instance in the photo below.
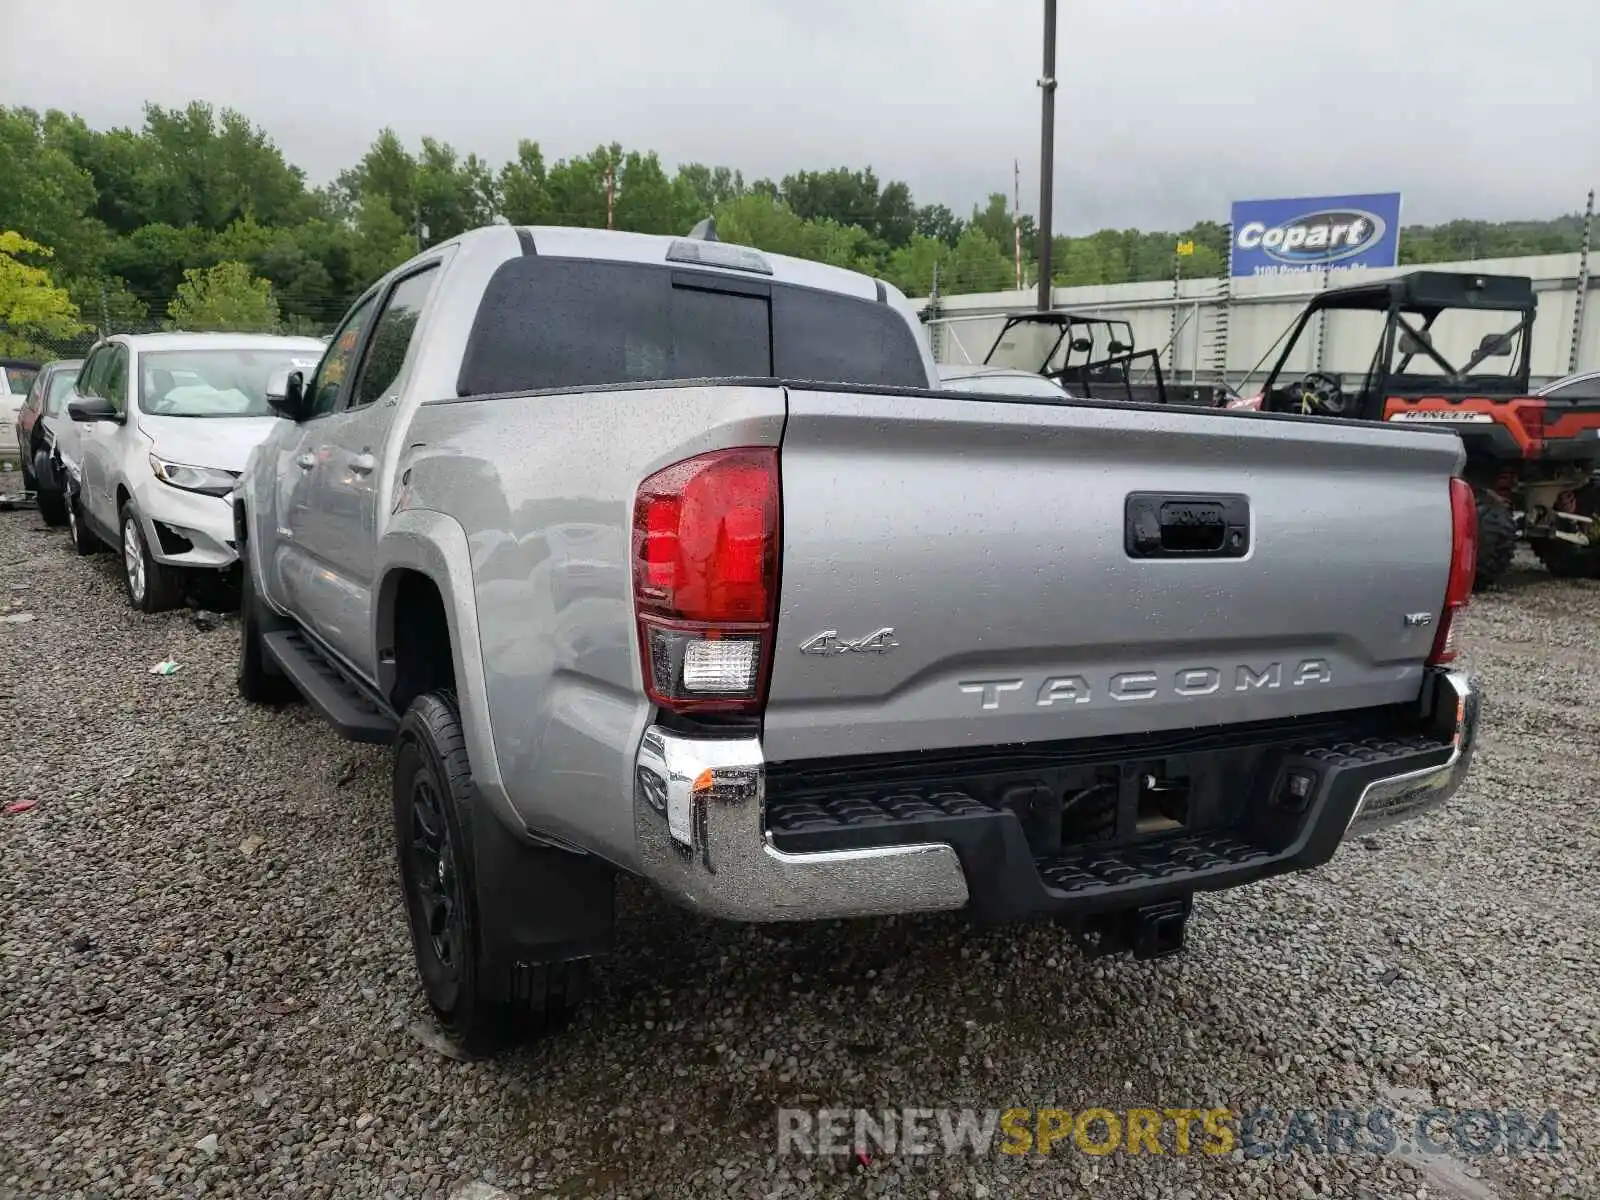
(669, 557)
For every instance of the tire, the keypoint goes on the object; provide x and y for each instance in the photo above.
(47, 490)
(260, 681)
(485, 1006)
(84, 539)
(1497, 541)
(152, 587)
(1568, 560)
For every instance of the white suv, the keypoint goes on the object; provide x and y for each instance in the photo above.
(161, 427)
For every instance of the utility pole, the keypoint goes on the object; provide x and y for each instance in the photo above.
(1047, 150)
(1016, 218)
(1583, 288)
(611, 191)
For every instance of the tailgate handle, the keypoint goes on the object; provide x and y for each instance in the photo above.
(1166, 525)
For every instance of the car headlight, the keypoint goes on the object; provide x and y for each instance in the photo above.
(193, 479)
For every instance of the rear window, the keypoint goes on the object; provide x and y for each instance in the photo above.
(571, 323)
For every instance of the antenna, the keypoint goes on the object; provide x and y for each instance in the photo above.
(705, 230)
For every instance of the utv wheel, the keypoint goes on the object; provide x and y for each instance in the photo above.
(152, 587)
(84, 540)
(1568, 560)
(484, 1005)
(1497, 541)
(260, 681)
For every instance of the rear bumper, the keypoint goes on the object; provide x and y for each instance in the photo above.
(710, 834)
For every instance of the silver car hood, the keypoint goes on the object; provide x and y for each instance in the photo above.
(221, 442)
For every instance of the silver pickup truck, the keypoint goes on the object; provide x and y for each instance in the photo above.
(670, 557)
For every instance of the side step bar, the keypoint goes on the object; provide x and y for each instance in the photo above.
(347, 707)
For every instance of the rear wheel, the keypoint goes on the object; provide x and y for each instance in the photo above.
(84, 540)
(1569, 560)
(485, 1005)
(1497, 540)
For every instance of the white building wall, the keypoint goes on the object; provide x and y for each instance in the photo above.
(1262, 308)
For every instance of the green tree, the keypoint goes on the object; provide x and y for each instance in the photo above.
(524, 187)
(153, 258)
(712, 187)
(648, 202)
(977, 264)
(107, 303)
(381, 240)
(45, 195)
(993, 219)
(937, 221)
(911, 267)
(33, 310)
(225, 298)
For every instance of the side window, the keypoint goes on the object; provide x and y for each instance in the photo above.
(115, 385)
(338, 361)
(391, 336)
(93, 369)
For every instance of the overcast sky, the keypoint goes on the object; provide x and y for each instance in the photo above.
(1167, 109)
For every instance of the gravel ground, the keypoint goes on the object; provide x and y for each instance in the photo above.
(205, 984)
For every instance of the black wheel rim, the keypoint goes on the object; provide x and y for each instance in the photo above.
(434, 876)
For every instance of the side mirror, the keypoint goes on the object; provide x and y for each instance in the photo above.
(1081, 345)
(1121, 348)
(1415, 343)
(286, 393)
(1496, 345)
(93, 408)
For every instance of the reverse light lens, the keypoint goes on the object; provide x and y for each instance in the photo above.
(209, 480)
(721, 665)
(705, 576)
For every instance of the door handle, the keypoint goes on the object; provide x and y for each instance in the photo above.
(305, 461)
(362, 464)
(1158, 525)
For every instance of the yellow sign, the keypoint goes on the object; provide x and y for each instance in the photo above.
(1185, 249)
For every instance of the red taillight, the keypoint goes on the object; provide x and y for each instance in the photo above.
(1463, 566)
(705, 579)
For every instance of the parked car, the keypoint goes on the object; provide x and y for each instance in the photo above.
(39, 422)
(16, 376)
(1583, 386)
(671, 557)
(161, 426)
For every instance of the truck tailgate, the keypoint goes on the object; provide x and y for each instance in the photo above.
(992, 538)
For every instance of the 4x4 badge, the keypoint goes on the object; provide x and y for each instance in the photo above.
(879, 641)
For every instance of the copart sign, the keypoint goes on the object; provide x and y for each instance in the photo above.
(1313, 233)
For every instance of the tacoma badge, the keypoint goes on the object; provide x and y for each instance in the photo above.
(879, 641)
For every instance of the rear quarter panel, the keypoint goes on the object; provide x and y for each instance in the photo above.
(543, 487)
